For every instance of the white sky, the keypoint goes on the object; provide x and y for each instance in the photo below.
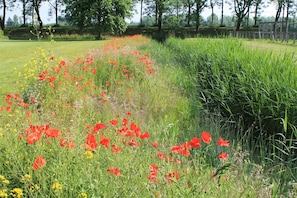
(270, 11)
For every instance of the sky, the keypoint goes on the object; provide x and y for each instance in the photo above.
(270, 11)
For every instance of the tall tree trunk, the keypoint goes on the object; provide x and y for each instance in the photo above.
(222, 13)
(56, 11)
(160, 21)
(141, 6)
(212, 13)
(189, 15)
(39, 18)
(2, 19)
(197, 18)
(238, 23)
(277, 16)
(256, 14)
(287, 20)
(156, 16)
(24, 12)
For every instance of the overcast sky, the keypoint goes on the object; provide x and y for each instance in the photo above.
(270, 11)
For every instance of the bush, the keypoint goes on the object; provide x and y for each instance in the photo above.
(2, 35)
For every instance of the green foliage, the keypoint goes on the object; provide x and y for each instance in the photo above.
(2, 35)
(108, 16)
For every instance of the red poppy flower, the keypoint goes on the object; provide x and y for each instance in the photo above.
(33, 137)
(155, 144)
(98, 127)
(8, 96)
(115, 149)
(222, 142)
(195, 142)
(145, 135)
(68, 143)
(223, 156)
(153, 167)
(177, 161)
(8, 108)
(171, 176)
(91, 142)
(39, 163)
(114, 122)
(133, 142)
(104, 142)
(125, 122)
(183, 149)
(161, 156)
(206, 137)
(52, 133)
(153, 173)
(114, 170)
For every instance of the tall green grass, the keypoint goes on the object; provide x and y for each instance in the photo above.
(252, 90)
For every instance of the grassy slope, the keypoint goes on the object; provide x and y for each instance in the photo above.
(14, 54)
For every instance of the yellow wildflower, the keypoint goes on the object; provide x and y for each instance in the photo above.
(34, 187)
(57, 187)
(83, 195)
(3, 193)
(16, 192)
(4, 180)
(89, 154)
(26, 178)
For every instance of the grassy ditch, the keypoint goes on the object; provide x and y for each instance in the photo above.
(252, 90)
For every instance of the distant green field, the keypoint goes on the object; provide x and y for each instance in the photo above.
(269, 46)
(14, 54)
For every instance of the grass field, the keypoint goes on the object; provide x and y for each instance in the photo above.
(14, 54)
(269, 46)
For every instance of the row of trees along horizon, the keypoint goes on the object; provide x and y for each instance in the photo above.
(109, 16)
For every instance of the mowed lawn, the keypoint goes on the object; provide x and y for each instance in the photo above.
(14, 54)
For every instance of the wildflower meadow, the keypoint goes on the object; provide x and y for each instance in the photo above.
(115, 123)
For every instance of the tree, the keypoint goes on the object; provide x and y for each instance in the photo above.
(56, 4)
(4, 4)
(199, 5)
(222, 13)
(159, 8)
(188, 5)
(212, 3)
(241, 9)
(288, 5)
(36, 4)
(2, 18)
(9, 22)
(213, 19)
(25, 9)
(105, 15)
(258, 6)
(15, 20)
(141, 12)
(279, 7)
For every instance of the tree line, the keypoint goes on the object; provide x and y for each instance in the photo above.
(109, 15)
